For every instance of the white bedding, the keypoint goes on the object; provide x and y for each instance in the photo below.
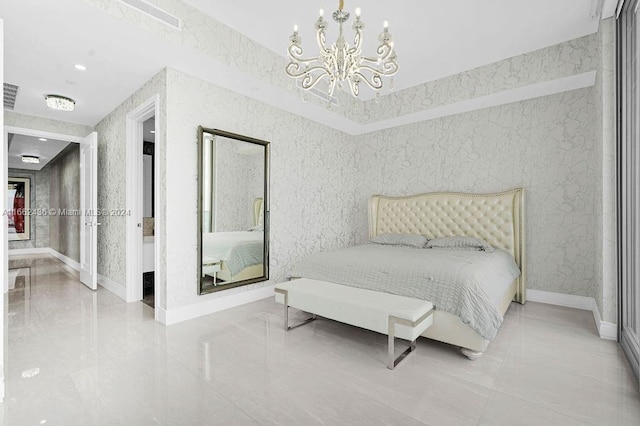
(468, 284)
(238, 250)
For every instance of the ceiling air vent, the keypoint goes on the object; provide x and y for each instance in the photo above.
(154, 12)
(10, 93)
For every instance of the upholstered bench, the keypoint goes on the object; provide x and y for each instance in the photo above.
(395, 316)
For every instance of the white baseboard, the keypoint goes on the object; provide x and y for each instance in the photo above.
(105, 282)
(46, 250)
(161, 315)
(569, 300)
(113, 287)
(606, 330)
(65, 259)
(184, 313)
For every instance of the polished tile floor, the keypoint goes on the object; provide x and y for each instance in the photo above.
(77, 357)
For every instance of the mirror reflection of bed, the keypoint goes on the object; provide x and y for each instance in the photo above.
(234, 255)
(233, 190)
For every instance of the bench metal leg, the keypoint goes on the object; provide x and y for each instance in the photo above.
(286, 312)
(392, 361)
(286, 320)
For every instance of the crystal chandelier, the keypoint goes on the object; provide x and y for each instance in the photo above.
(340, 62)
(61, 103)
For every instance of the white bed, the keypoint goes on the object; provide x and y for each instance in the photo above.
(495, 218)
(235, 256)
(240, 254)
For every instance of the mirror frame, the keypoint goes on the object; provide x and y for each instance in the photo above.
(266, 209)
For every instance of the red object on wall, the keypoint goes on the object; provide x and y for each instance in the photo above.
(18, 212)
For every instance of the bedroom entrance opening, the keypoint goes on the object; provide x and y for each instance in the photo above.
(51, 199)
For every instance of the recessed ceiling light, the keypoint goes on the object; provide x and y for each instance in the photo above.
(152, 131)
(60, 103)
(80, 67)
(42, 139)
(30, 159)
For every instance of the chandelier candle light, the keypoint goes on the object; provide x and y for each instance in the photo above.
(341, 62)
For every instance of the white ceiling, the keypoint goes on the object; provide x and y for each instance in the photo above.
(20, 145)
(434, 38)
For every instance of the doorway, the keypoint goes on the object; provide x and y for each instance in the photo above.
(53, 189)
(142, 198)
(148, 196)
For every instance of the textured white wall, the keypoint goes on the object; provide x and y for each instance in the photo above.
(312, 181)
(64, 186)
(550, 63)
(112, 181)
(546, 145)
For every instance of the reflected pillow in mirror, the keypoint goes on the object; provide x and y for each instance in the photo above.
(461, 242)
(407, 240)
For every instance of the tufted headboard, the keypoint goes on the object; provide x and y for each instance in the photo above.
(258, 211)
(496, 218)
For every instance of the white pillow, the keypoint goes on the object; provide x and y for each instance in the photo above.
(408, 240)
(463, 243)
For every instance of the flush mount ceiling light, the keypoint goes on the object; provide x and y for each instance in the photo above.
(60, 103)
(341, 62)
(30, 159)
(80, 67)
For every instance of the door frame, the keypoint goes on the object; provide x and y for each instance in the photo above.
(4, 241)
(4, 165)
(134, 203)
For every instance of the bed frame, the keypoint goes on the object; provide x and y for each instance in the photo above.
(496, 218)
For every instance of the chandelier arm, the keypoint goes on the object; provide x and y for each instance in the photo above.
(390, 68)
(321, 39)
(387, 56)
(384, 71)
(355, 51)
(357, 40)
(375, 82)
(305, 61)
(384, 51)
(354, 86)
(310, 80)
(295, 54)
(296, 71)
